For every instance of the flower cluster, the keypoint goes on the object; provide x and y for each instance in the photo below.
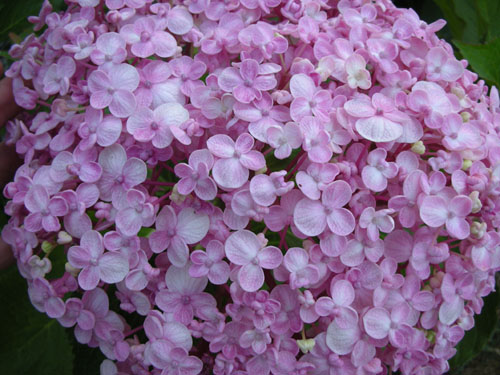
(254, 187)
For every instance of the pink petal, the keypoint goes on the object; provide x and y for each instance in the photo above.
(270, 257)
(377, 323)
(337, 194)
(229, 173)
(378, 129)
(123, 104)
(242, 247)
(178, 252)
(221, 145)
(433, 211)
(250, 277)
(341, 221)
(192, 227)
(309, 217)
(113, 267)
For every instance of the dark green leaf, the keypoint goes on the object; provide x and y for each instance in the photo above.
(489, 11)
(483, 58)
(476, 339)
(14, 14)
(31, 342)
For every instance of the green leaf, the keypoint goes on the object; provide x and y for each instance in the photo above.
(476, 339)
(31, 342)
(483, 58)
(489, 11)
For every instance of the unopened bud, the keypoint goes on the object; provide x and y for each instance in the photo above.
(63, 238)
(478, 229)
(418, 148)
(465, 116)
(306, 345)
(176, 196)
(476, 202)
(466, 164)
(47, 247)
(261, 171)
(72, 270)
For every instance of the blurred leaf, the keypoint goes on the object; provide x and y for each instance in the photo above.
(31, 342)
(14, 14)
(87, 360)
(476, 339)
(489, 10)
(455, 23)
(483, 58)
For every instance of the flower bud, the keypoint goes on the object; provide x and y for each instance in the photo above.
(466, 164)
(63, 238)
(478, 229)
(70, 269)
(47, 247)
(418, 148)
(476, 202)
(306, 345)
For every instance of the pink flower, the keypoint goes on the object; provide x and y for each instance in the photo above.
(103, 130)
(247, 82)
(175, 231)
(109, 50)
(114, 89)
(195, 175)
(265, 188)
(81, 163)
(316, 178)
(283, 139)
(134, 213)
(308, 100)
(442, 66)
(379, 324)
(119, 173)
(210, 263)
(44, 211)
(236, 158)
(379, 120)
(312, 217)
(246, 250)
(316, 140)
(338, 305)
(436, 211)
(375, 221)
(110, 267)
(302, 274)
(56, 80)
(261, 115)
(357, 75)
(376, 173)
(184, 294)
(45, 299)
(160, 126)
(147, 38)
(459, 136)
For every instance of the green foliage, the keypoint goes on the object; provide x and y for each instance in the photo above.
(483, 58)
(14, 14)
(476, 339)
(31, 342)
(473, 25)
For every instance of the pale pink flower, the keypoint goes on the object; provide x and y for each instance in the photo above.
(160, 126)
(302, 273)
(312, 216)
(283, 139)
(230, 171)
(95, 265)
(436, 211)
(147, 37)
(379, 120)
(194, 176)
(441, 65)
(44, 211)
(175, 232)
(245, 249)
(376, 173)
(210, 263)
(308, 100)
(114, 89)
(247, 82)
(56, 80)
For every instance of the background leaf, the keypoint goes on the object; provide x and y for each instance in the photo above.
(31, 342)
(476, 339)
(483, 58)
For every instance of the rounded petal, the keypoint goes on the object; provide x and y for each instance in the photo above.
(242, 247)
(251, 277)
(309, 217)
